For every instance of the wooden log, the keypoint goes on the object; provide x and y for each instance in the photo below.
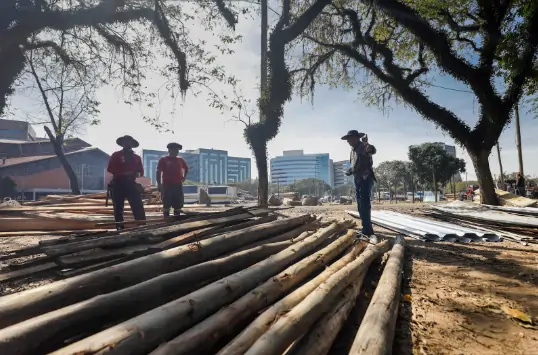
(139, 237)
(30, 271)
(196, 235)
(320, 338)
(202, 337)
(27, 304)
(162, 323)
(261, 324)
(292, 325)
(376, 332)
(30, 336)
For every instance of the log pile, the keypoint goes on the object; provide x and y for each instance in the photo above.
(246, 283)
(64, 214)
(81, 253)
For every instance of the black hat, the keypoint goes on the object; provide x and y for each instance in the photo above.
(353, 133)
(174, 146)
(122, 140)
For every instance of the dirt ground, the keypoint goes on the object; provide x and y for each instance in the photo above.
(455, 297)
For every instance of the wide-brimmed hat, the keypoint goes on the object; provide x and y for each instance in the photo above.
(353, 133)
(174, 146)
(122, 140)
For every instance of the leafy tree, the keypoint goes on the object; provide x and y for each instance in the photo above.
(288, 28)
(390, 174)
(8, 187)
(434, 165)
(66, 98)
(124, 37)
(400, 46)
(344, 190)
(315, 187)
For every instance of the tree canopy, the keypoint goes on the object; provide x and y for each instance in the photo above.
(433, 165)
(394, 49)
(125, 38)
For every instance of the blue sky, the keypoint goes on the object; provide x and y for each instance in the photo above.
(315, 128)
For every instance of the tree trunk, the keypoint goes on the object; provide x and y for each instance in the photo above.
(260, 325)
(200, 338)
(35, 333)
(290, 326)
(12, 63)
(434, 187)
(376, 333)
(260, 154)
(480, 159)
(57, 143)
(27, 304)
(413, 188)
(168, 320)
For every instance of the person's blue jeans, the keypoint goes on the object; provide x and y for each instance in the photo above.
(363, 190)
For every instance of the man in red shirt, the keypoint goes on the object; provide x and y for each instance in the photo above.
(171, 172)
(126, 166)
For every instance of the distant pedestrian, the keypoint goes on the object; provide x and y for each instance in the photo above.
(520, 185)
(126, 166)
(363, 175)
(172, 171)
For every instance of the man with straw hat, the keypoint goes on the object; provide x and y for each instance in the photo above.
(171, 173)
(363, 175)
(125, 166)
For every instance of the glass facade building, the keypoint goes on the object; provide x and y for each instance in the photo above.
(238, 169)
(294, 165)
(207, 166)
(340, 178)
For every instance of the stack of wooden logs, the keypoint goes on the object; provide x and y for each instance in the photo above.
(276, 286)
(80, 253)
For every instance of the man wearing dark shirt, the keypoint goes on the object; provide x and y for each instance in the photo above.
(171, 173)
(363, 174)
(126, 166)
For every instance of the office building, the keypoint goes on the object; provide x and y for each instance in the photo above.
(294, 165)
(340, 178)
(206, 166)
(31, 162)
(238, 169)
(16, 130)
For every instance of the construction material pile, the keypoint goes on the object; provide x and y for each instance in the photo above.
(516, 223)
(80, 253)
(65, 214)
(205, 297)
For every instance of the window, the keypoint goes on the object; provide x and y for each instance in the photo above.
(190, 189)
(217, 190)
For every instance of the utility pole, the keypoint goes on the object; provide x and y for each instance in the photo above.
(500, 163)
(263, 54)
(518, 141)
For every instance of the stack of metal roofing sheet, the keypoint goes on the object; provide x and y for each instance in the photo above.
(480, 213)
(428, 230)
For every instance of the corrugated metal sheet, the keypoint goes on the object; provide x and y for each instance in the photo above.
(426, 229)
(471, 211)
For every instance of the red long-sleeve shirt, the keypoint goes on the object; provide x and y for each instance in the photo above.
(118, 164)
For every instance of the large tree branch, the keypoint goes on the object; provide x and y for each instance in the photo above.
(431, 111)
(525, 63)
(439, 45)
(302, 23)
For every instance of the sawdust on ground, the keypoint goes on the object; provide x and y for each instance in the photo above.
(454, 294)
